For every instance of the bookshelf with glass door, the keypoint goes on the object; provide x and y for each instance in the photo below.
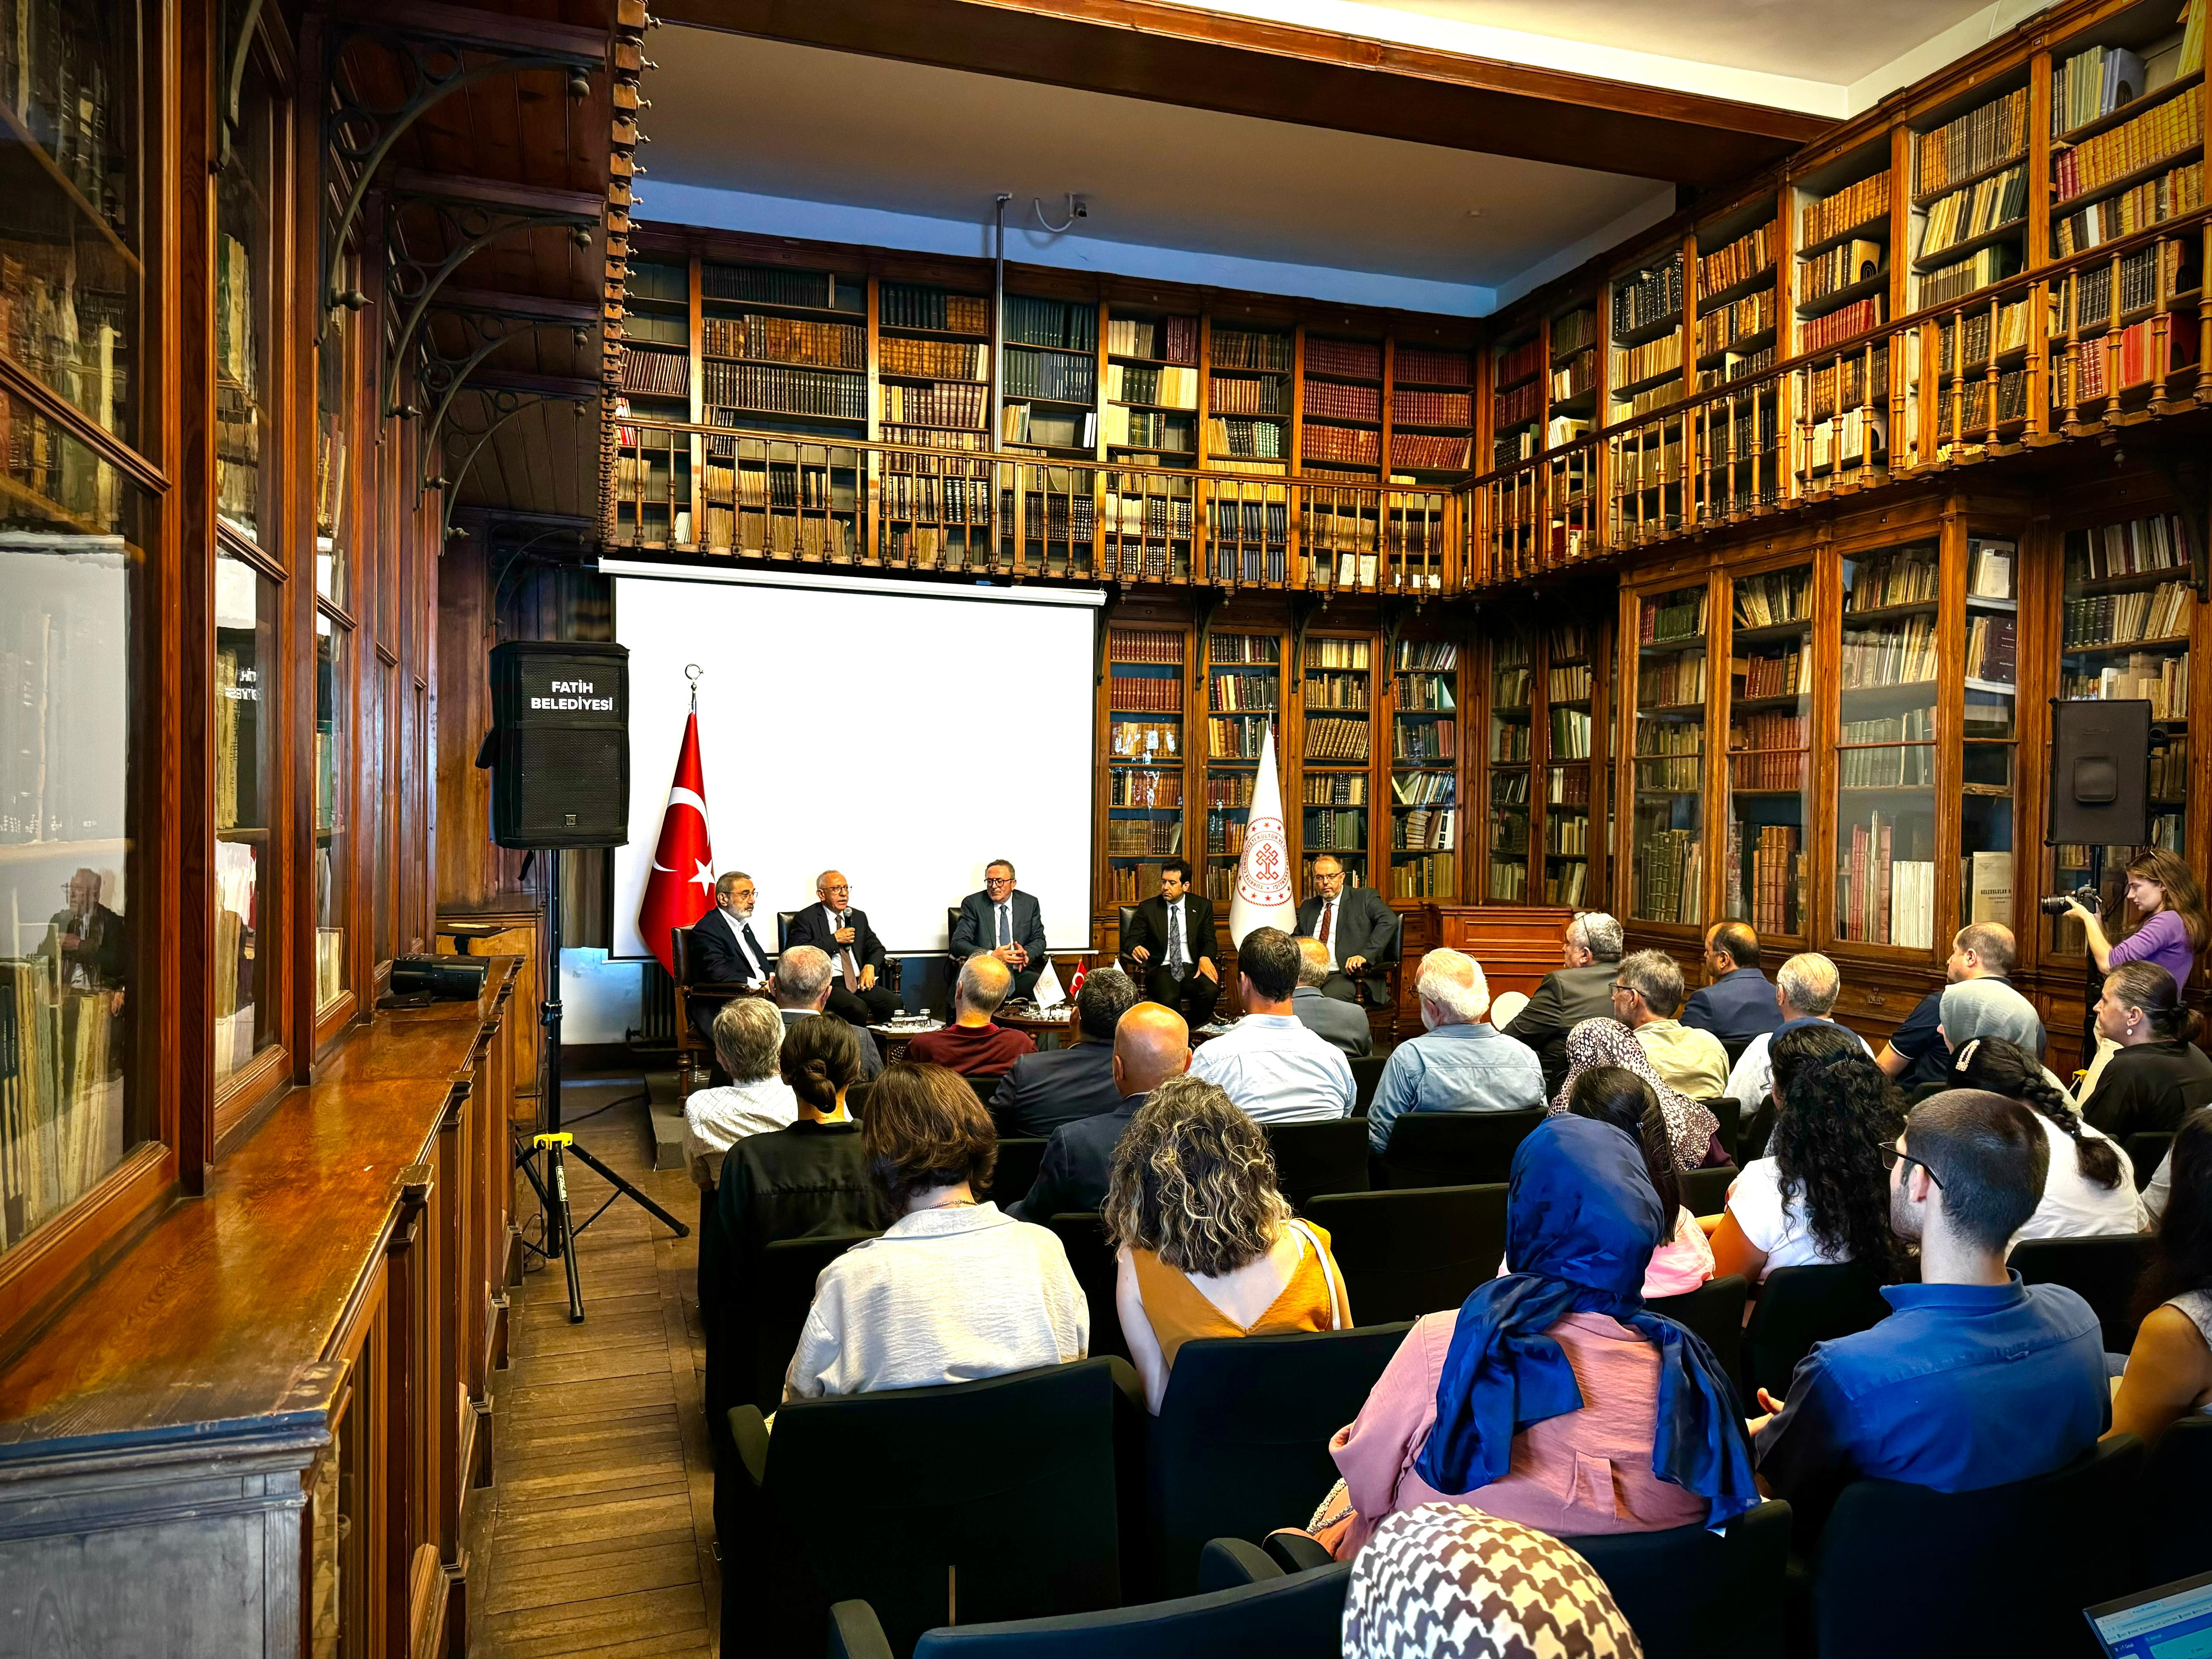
(1665, 790)
(1424, 756)
(1243, 687)
(1337, 725)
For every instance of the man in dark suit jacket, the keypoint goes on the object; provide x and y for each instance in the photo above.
(1150, 1045)
(1058, 1085)
(1171, 941)
(1344, 1023)
(724, 949)
(1737, 1003)
(1581, 989)
(858, 963)
(802, 989)
(1005, 921)
(1360, 929)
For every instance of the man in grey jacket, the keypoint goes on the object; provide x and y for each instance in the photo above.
(1344, 1023)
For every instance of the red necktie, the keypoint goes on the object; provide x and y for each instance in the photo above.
(1328, 909)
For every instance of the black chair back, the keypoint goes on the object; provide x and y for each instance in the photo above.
(1727, 1112)
(2173, 1522)
(982, 1501)
(1241, 1444)
(773, 1304)
(1908, 1573)
(2147, 1151)
(1715, 1312)
(1692, 1593)
(1293, 1616)
(1082, 1235)
(1134, 970)
(1705, 1191)
(1019, 1159)
(1313, 1158)
(1453, 1148)
(782, 922)
(1798, 1307)
(1735, 1046)
(1408, 1253)
(2101, 1270)
(951, 920)
(1366, 1073)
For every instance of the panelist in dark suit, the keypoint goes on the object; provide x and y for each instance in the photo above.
(1737, 1002)
(724, 949)
(858, 963)
(1058, 1086)
(1171, 941)
(1581, 989)
(1360, 929)
(1005, 921)
(1150, 1045)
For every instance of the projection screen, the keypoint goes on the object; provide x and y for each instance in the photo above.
(905, 734)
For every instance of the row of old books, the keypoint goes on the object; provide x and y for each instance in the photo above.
(1749, 256)
(1432, 408)
(1850, 439)
(1431, 692)
(1133, 883)
(1144, 741)
(1420, 451)
(1151, 428)
(937, 360)
(1328, 740)
(1670, 868)
(1753, 314)
(1508, 742)
(1818, 333)
(1423, 366)
(1058, 324)
(771, 532)
(1522, 403)
(1510, 789)
(1575, 376)
(2162, 681)
(1248, 350)
(1341, 443)
(1360, 358)
(1983, 336)
(1903, 653)
(1229, 789)
(1224, 834)
(1648, 297)
(1157, 694)
(773, 285)
(1777, 870)
(61, 1095)
(1992, 648)
(1975, 210)
(1261, 438)
(1671, 682)
(793, 340)
(1431, 788)
(795, 392)
(1127, 786)
(1766, 749)
(1872, 765)
(1565, 882)
(1780, 674)
(656, 374)
(1051, 375)
(1244, 647)
(903, 305)
(1339, 653)
(1337, 400)
(939, 404)
(1134, 838)
(1567, 786)
(1571, 734)
(1144, 645)
(1970, 414)
(2125, 548)
(1170, 340)
(1509, 883)
(947, 501)
(1948, 283)
(1658, 357)
(1520, 362)
(1846, 209)
(2170, 194)
(1265, 395)
(2159, 613)
(1568, 682)
(1679, 616)
(1336, 690)
(1907, 576)
(1426, 829)
(1424, 743)
(784, 485)
(1153, 382)
(1880, 898)
(2136, 355)
(1335, 830)
(1778, 596)
(2175, 126)
(1974, 143)
(1335, 789)
(1236, 737)
(1838, 267)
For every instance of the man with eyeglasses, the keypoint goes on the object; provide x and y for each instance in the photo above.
(1975, 1380)
(1007, 922)
(859, 964)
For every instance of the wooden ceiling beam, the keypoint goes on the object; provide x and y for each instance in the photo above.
(1205, 59)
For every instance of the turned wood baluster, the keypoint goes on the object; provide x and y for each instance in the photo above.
(1990, 371)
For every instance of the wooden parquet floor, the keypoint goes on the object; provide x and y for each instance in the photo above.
(596, 1537)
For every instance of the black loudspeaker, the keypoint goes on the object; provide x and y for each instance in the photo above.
(2100, 773)
(559, 748)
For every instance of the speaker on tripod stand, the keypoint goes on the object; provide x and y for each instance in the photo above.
(2099, 797)
(559, 757)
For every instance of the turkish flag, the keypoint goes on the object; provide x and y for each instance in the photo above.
(681, 887)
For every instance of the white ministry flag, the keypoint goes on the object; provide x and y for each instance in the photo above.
(1263, 897)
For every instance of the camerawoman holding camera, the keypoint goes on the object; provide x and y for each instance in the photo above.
(2169, 929)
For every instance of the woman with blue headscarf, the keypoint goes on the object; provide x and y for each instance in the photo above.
(1552, 1398)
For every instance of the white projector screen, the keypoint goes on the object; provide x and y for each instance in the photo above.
(905, 735)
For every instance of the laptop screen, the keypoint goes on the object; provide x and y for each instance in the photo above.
(2173, 1621)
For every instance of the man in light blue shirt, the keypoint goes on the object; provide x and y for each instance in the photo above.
(1268, 1062)
(1459, 1064)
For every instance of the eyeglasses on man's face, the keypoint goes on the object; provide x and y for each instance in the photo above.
(1892, 1156)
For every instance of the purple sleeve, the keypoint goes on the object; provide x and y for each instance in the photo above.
(2163, 939)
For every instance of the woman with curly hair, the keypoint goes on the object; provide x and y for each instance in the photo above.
(2169, 1373)
(1694, 1131)
(1821, 1195)
(1205, 1244)
(2090, 1190)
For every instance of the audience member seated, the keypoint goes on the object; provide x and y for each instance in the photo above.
(1446, 1579)
(975, 1045)
(1692, 1130)
(1647, 993)
(802, 992)
(1736, 1003)
(747, 1035)
(1819, 1195)
(1916, 1053)
(1976, 1008)
(1150, 1045)
(2090, 1191)
(2169, 1374)
(954, 1292)
(1974, 1380)
(1805, 989)
(1355, 927)
(1551, 1397)
(1052, 1086)
(1606, 1094)
(1458, 1063)
(1272, 1066)
(1581, 989)
(1205, 1243)
(2155, 1035)
(811, 1178)
(1331, 1019)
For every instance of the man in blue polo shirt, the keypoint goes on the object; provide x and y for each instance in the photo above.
(1975, 1380)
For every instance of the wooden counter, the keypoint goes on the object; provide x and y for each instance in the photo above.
(179, 1445)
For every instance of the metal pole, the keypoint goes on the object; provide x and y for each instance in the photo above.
(999, 322)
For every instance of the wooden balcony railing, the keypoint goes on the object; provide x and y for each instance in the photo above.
(828, 501)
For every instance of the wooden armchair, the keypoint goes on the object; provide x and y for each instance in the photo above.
(694, 1055)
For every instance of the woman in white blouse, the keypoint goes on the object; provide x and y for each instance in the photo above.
(2090, 1190)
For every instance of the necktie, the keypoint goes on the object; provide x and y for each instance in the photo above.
(753, 949)
(1328, 912)
(1174, 940)
(1005, 936)
(845, 954)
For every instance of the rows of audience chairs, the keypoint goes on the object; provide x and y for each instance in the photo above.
(1046, 1511)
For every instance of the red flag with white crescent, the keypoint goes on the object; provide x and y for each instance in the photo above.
(680, 888)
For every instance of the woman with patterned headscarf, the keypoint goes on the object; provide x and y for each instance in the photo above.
(1693, 1130)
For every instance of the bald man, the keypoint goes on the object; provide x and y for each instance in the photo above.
(858, 964)
(975, 1045)
(1152, 1044)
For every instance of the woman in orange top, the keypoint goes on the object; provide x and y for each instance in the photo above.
(1205, 1243)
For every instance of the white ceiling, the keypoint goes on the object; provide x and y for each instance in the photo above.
(829, 127)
